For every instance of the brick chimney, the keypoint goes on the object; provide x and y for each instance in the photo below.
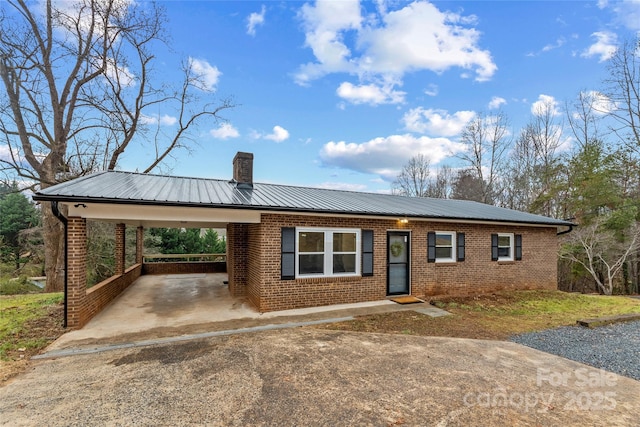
(243, 170)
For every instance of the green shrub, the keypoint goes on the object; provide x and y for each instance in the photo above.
(21, 285)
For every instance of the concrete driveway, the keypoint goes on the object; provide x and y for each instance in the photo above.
(306, 376)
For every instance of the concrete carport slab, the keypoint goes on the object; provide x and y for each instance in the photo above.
(160, 306)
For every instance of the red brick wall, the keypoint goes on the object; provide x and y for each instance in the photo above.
(77, 304)
(477, 274)
(237, 256)
(183, 267)
(254, 263)
(139, 244)
(120, 230)
(100, 295)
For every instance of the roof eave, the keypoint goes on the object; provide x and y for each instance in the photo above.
(275, 209)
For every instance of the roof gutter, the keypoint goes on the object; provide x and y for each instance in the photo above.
(56, 212)
(567, 231)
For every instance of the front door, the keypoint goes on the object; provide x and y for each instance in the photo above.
(398, 258)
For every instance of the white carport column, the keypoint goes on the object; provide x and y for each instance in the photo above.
(120, 249)
(139, 244)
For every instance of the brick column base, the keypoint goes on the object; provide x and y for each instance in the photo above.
(77, 304)
(120, 249)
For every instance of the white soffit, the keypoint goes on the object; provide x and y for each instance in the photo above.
(162, 216)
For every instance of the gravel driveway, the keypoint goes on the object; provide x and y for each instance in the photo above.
(307, 376)
(615, 347)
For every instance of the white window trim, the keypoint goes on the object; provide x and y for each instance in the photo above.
(453, 247)
(328, 251)
(511, 247)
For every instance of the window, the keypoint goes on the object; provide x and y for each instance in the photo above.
(502, 247)
(328, 252)
(445, 246)
(445, 249)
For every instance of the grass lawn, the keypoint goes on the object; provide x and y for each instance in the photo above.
(496, 316)
(28, 323)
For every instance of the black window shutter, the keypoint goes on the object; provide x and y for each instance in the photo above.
(460, 237)
(494, 247)
(288, 253)
(431, 246)
(367, 252)
(518, 247)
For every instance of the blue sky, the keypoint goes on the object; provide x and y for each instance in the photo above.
(340, 94)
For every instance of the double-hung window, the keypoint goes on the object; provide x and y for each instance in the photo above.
(327, 252)
(505, 247)
(445, 246)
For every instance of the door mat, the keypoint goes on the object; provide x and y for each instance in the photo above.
(406, 300)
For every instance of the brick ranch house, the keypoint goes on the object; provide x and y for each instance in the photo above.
(292, 247)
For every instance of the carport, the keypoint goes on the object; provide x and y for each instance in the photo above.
(141, 205)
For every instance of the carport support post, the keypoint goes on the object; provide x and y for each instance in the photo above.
(120, 250)
(139, 244)
(77, 303)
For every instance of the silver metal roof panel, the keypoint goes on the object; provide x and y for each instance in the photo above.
(129, 187)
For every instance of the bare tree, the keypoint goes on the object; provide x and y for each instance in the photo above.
(441, 187)
(584, 116)
(413, 180)
(77, 80)
(486, 139)
(601, 251)
(623, 90)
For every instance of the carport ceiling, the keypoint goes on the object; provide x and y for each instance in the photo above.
(162, 216)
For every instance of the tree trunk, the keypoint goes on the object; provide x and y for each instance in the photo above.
(54, 249)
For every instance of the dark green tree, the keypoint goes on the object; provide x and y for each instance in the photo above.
(17, 214)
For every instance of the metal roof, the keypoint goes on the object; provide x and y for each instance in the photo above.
(161, 190)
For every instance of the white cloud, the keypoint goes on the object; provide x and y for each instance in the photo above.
(385, 156)
(207, 74)
(604, 47)
(431, 90)
(225, 131)
(254, 20)
(123, 75)
(559, 43)
(436, 122)
(627, 12)
(386, 45)
(496, 102)
(324, 26)
(601, 103)
(345, 186)
(164, 120)
(279, 134)
(370, 94)
(5, 152)
(545, 104)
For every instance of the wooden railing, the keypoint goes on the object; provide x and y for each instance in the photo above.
(147, 258)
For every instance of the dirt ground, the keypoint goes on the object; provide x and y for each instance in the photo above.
(307, 376)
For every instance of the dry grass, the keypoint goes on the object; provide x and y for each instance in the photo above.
(28, 323)
(496, 316)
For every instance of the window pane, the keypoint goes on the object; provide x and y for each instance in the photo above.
(504, 252)
(443, 240)
(504, 240)
(443, 252)
(311, 264)
(344, 263)
(311, 242)
(344, 242)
